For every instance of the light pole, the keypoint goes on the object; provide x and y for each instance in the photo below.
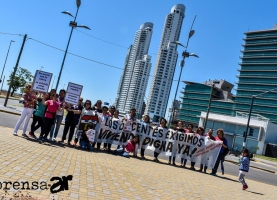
(182, 63)
(250, 112)
(209, 104)
(73, 25)
(5, 61)
(53, 82)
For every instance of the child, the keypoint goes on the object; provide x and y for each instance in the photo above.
(128, 147)
(244, 167)
(87, 138)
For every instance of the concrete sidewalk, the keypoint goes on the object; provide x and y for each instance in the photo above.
(105, 176)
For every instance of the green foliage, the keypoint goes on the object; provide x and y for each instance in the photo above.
(21, 77)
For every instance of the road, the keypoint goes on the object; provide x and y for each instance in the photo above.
(9, 120)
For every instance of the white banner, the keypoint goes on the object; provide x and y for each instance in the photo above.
(42, 81)
(189, 146)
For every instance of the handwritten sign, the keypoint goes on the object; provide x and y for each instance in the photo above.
(42, 81)
(73, 93)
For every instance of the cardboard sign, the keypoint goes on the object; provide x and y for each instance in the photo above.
(42, 81)
(73, 93)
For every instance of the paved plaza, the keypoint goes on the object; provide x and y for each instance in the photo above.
(105, 176)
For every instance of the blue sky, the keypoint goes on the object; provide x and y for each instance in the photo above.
(219, 29)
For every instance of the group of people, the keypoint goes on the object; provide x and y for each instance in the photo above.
(48, 111)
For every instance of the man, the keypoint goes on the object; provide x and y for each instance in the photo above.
(59, 117)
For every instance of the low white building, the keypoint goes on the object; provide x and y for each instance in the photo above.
(264, 131)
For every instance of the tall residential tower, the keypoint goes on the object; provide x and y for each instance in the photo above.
(165, 65)
(134, 79)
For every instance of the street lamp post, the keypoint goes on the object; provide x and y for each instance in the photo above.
(2, 85)
(6, 61)
(73, 25)
(182, 63)
(209, 104)
(250, 112)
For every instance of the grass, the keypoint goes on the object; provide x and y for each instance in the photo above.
(266, 158)
(14, 98)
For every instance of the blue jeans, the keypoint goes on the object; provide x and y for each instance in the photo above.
(56, 126)
(86, 145)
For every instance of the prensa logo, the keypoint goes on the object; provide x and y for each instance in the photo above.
(60, 184)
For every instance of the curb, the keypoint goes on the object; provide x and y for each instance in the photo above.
(267, 170)
(13, 113)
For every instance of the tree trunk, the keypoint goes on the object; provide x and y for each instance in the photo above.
(12, 92)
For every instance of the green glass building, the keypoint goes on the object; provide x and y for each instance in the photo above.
(258, 73)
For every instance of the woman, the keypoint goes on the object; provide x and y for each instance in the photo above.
(220, 137)
(179, 129)
(200, 132)
(38, 115)
(209, 136)
(52, 107)
(87, 111)
(98, 106)
(29, 104)
(146, 120)
(163, 123)
(102, 120)
(71, 120)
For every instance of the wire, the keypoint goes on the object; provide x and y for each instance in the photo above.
(10, 34)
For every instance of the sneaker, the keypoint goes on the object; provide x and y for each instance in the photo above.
(54, 139)
(143, 158)
(45, 139)
(24, 135)
(169, 163)
(223, 172)
(15, 134)
(244, 187)
(156, 160)
(31, 135)
(192, 168)
(174, 164)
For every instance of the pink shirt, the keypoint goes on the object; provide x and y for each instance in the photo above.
(52, 107)
(129, 147)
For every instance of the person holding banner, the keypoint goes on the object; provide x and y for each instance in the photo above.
(129, 147)
(59, 117)
(103, 117)
(181, 130)
(131, 116)
(29, 104)
(163, 123)
(110, 114)
(200, 132)
(146, 121)
(220, 137)
(38, 115)
(189, 129)
(52, 107)
(87, 138)
(209, 136)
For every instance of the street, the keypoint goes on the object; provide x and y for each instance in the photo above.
(9, 120)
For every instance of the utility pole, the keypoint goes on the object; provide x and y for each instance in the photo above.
(15, 69)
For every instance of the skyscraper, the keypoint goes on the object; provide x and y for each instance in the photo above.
(165, 64)
(136, 72)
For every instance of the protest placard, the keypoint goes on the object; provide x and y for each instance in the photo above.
(42, 81)
(73, 93)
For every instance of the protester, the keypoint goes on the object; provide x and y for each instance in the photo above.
(84, 140)
(59, 117)
(200, 132)
(110, 115)
(244, 167)
(29, 104)
(163, 123)
(98, 106)
(52, 107)
(53, 91)
(209, 136)
(87, 111)
(38, 115)
(179, 129)
(71, 120)
(146, 120)
(102, 120)
(219, 137)
(189, 129)
(129, 147)
(131, 116)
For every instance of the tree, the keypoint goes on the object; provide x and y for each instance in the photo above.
(21, 77)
